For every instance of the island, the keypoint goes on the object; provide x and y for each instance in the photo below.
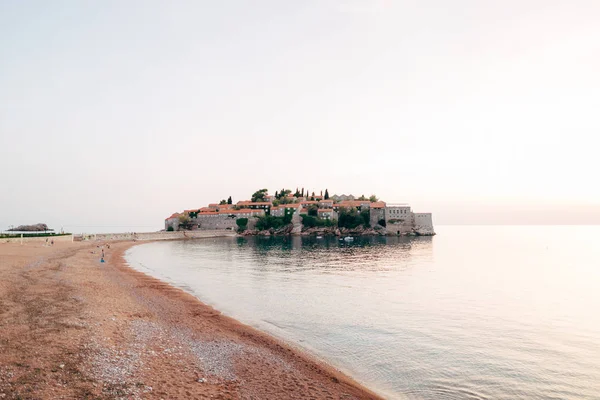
(304, 213)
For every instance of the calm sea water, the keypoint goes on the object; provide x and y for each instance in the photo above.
(473, 313)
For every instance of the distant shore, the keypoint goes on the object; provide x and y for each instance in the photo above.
(72, 326)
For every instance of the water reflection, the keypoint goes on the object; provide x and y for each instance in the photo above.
(302, 253)
(485, 312)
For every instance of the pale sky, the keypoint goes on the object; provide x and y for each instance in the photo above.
(114, 114)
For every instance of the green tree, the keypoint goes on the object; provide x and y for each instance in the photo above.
(283, 193)
(366, 216)
(309, 221)
(373, 198)
(185, 222)
(351, 218)
(362, 198)
(297, 193)
(302, 193)
(276, 194)
(326, 195)
(259, 195)
(229, 201)
(242, 224)
(222, 202)
(270, 222)
(313, 211)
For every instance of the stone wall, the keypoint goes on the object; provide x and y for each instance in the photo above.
(220, 221)
(399, 228)
(172, 222)
(423, 223)
(376, 215)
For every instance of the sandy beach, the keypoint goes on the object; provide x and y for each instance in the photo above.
(74, 328)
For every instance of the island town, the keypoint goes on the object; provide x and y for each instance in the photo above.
(304, 212)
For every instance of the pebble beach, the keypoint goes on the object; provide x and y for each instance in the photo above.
(72, 327)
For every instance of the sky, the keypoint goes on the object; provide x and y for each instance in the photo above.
(115, 114)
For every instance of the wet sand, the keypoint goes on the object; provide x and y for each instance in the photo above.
(74, 328)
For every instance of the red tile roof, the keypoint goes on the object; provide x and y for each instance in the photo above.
(352, 203)
(242, 211)
(174, 215)
(249, 203)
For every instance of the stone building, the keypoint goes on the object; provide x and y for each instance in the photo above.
(342, 197)
(377, 212)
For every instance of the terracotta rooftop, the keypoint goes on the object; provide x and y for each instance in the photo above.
(250, 203)
(352, 203)
(174, 215)
(242, 211)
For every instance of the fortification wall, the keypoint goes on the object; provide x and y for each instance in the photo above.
(221, 222)
(376, 215)
(211, 222)
(423, 223)
(399, 228)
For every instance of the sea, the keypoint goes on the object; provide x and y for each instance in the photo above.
(475, 312)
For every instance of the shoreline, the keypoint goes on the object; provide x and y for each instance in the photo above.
(110, 331)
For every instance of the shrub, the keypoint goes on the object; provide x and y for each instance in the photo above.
(310, 221)
(351, 218)
(268, 222)
(170, 229)
(242, 223)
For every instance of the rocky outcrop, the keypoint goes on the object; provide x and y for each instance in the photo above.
(424, 231)
(293, 229)
(286, 230)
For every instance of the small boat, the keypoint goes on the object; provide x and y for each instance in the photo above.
(319, 237)
(348, 239)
